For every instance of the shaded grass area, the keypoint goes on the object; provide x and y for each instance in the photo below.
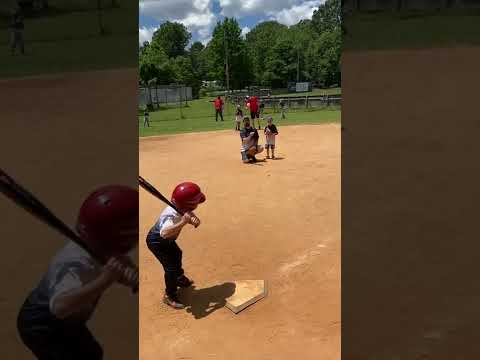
(411, 29)
(71, 41)
(200, 116)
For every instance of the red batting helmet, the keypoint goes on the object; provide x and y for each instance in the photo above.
(108, 220)
(188, 195)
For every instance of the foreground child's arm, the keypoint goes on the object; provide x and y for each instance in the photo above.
(71, 301)
(173, 230)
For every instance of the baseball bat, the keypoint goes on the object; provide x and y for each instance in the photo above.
(151, 189)
(26, 200)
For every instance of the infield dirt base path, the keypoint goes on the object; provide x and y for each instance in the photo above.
(278, 220)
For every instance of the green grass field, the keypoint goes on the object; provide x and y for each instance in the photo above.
(411, 29)
(70, 41)
(200, 116)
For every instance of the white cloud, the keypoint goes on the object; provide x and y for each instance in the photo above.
(296, 13)
(145, 34)
(287, 12)
(196, 15)
(245, 30)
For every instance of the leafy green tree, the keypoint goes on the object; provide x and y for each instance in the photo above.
(281, 62)
(184, 74)
(155, 64)
(328, 16)
(260, 42)
(227, 45)
(323, 59)
(198, 58)
(172, 38)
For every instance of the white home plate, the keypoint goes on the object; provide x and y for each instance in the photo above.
(246, 293)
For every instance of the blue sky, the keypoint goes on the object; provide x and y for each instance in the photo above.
(200, 16)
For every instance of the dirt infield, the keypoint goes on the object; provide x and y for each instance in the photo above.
(409, 193)
(277, 220)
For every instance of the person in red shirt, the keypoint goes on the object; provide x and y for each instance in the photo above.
(254, 113)
(218, 102)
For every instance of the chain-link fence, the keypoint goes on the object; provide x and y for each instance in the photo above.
(157, 96)
(300, 103)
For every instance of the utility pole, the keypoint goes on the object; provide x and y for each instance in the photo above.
(298, 64)
(100, 17)
(226, 57)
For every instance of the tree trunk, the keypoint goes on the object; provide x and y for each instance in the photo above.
(298, 65)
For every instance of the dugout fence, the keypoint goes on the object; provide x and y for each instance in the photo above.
(156, 96)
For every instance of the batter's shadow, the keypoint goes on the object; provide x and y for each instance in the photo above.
(203, 302)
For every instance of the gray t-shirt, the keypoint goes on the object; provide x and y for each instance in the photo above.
(71, 268)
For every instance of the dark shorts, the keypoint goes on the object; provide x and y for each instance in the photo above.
(50, 338)
(254, 115)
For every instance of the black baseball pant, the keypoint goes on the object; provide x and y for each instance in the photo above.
(170, 256)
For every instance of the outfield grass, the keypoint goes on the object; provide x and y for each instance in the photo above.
(411, 29)
(200, 116)
(71, 42)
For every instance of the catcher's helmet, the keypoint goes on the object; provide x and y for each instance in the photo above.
(108, 220)
(188, 195)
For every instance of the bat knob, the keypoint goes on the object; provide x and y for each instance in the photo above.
(135, 289)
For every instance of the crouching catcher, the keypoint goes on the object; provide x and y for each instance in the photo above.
(250, 147)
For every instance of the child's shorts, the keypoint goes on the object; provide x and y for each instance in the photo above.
(48, 337)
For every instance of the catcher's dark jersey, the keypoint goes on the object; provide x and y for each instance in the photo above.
(245, 132)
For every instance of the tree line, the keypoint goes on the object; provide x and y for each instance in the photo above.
(270, 55)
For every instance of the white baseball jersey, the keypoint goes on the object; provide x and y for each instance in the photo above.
(167, 218)
(70, 269)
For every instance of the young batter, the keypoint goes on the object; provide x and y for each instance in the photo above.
(52, 320)
(161, 240)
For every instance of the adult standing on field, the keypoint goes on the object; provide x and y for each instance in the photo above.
(254, 113)
(218, 102)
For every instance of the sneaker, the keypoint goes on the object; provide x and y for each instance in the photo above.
(184, 282)
(173, 302)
